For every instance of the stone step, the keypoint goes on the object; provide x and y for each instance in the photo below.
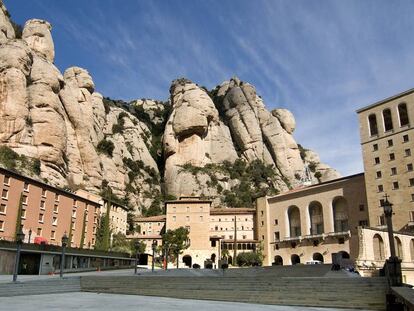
(37, 287)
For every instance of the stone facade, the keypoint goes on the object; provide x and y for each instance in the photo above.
(387, 137)
(313, 223)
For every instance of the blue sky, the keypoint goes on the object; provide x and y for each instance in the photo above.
(320, 59)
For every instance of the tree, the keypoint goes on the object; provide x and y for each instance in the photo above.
(82, 241)
(19, 217)
(249, 259)
(175, 241)
(103, 235)
(123, 245)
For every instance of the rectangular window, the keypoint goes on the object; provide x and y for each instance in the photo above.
(261, 213)
(276, 222)
(56, 208)
(379, 174)
(2, 208)
(188, 209)
(395, 185)
(407, 152)
(380, 188)
(262, 223)
(381, 220)
(6, 180)
(1, 225)
(5, 194)
(382, 202)
(39, 231)
(390, 143)
(377, 160)
(23, 214)
(411, 182)
(26, 186)
(73, 225)
(24, 199)
(42, 205)
(393, 171)
(53, 235)
(56, 197)
(216, 228)
(201, 218)
(44, 193)
(375, 147)
(74, 213)
(405, 138)
(411, 215)
(201, 208)
(230, 237)
(277, 236)
(41, 218)
(244, 237)
(75, 203)
(174, 218)
(361, 207)
(410, 167)
(187, 218)
(54, 221)
(392, 156)
(363, 223)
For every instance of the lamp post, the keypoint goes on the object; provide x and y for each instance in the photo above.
(393, 264)
(65, 240)
(19, 241)
(166, 251)
(154, 246)
(30, 235)
(137, 246)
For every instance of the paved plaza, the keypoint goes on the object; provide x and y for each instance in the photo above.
(110, 302)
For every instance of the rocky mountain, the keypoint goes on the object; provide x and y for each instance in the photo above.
(222, 143)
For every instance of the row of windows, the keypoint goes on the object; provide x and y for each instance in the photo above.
(390, 142)
(216, 228)
(396, 185)
(387, 119)
(391, 156)
(394, 171)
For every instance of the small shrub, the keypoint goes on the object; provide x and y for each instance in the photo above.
(106, 147)
(36, 166)
(8, 157)
(318, 176)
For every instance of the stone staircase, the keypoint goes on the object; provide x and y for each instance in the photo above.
(357, 293)
(37, 287)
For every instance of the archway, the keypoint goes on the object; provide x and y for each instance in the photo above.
(187, 260)
(378, 247)
(294, 259)
(318, 256)
(403, 114)
(340, 214)
(294, 221)
(398, 247)
(344, 255)
(278, 261)
(213, 257)
(373, 127)
(386, 114)
(316, 218)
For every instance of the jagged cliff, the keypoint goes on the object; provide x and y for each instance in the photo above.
(222, 143)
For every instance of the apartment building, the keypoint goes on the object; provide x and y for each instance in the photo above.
(47, 212)
(387, 136)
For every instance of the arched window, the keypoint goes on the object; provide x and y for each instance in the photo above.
(344, 255)
(398, 247)
(403, 113)
(373, 126)
(316, 218)
(294, 221)
(318, 256)
(295, 259)
(340, 213)
(386, 114)
(278, 261)
(378, 248)
(412, 249)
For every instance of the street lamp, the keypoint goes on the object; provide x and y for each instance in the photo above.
(137, 246)
(65, 240)
(154, 247)
(393, 264)
(19, 241)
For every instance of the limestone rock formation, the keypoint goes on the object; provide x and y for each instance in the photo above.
(6, 28)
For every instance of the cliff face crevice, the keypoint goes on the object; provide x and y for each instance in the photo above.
(222, 143)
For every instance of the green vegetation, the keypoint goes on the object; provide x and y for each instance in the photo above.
(19, 217)
(249, 259)
(312, 167)
(106, 147)
(302, 151)
(318, 176)
(121, 244)
(256, 179)
(119, 127)
(70, 237)
(18, 29)
(175, 242)
(103, 233)
(13, 161)
(82, 240)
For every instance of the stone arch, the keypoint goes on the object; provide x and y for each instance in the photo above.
(316, 217)
(398, 247)
(379, 253)
(387, 116)
(187, 260)
(295, 259)
(373, 125)
(213, 257)
(403, 114)
(340, 214)
(317, 256)
(344, 255)
(278, 260)
(294, 221)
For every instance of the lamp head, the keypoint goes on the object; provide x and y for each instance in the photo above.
(387, 205)
(65, 240)
(20, 237)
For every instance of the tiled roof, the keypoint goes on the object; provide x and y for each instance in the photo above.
(151, 218)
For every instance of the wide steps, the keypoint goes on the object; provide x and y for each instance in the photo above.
(39, 287)
(366, 293)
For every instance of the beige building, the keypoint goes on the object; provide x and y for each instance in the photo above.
(387, 137)
(47, 212)
(149, 229)
(317, 222)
